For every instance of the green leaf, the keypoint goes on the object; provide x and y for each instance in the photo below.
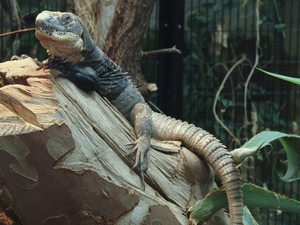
(248, 218)
(254, 196)
(255, 214)
(282, 77)
(290, 144)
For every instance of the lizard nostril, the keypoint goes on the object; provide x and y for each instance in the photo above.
(40, 22)
(43, 19)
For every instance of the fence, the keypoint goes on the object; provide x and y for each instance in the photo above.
(214, 36)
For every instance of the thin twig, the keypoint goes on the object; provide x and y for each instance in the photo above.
(163, 51)
(268, 62)
(155, 107)
(17, 31)
(82, 14)
(235, 58)
(217, 96)
(215, 65)
(255, 62)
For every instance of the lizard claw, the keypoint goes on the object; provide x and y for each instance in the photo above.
(141, 147)
(16, 57)
(24, 56)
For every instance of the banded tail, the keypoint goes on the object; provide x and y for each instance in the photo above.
(208, 147)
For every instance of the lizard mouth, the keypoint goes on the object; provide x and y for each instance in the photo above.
(54, 34)
(67, 49)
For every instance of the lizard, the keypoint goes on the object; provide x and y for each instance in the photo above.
(73, 52)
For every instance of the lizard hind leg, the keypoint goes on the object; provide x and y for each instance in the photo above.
(140, 119)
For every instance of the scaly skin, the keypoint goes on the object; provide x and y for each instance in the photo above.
(75, 55)
(208, 147)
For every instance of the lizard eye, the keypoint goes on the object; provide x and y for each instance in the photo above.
(65, 18)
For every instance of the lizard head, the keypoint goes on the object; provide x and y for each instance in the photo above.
(61, 33)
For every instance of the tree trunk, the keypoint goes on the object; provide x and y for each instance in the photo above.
(62, 159)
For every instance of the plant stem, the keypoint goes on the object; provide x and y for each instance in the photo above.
(254, 66)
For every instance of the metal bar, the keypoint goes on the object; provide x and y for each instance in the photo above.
(171, 29)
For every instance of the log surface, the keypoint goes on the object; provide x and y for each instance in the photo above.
(62, 158)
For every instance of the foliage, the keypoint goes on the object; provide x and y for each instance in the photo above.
(204, 71)
(270, 114)
(198, 79)
(290, 145)
(255, 196)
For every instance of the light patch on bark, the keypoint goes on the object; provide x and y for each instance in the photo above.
(97, 15)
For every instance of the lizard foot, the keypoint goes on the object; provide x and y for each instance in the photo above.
(16, 57)
(142, 158)
(24, 56)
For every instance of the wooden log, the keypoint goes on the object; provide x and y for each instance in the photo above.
(62, 158)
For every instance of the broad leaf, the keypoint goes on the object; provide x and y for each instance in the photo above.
(290, 143)
(254, 196)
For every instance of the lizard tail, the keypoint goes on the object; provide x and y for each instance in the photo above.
(208, 147)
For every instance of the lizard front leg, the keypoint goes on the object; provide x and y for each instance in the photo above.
(140, 118)
(84, 78)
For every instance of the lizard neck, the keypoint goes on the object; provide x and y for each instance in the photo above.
(113, 81)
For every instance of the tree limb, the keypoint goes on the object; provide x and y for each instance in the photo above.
(162, 51)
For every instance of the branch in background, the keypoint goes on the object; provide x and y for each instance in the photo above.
(17, 31)
(162, 51)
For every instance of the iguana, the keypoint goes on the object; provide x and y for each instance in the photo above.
(73, 52)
